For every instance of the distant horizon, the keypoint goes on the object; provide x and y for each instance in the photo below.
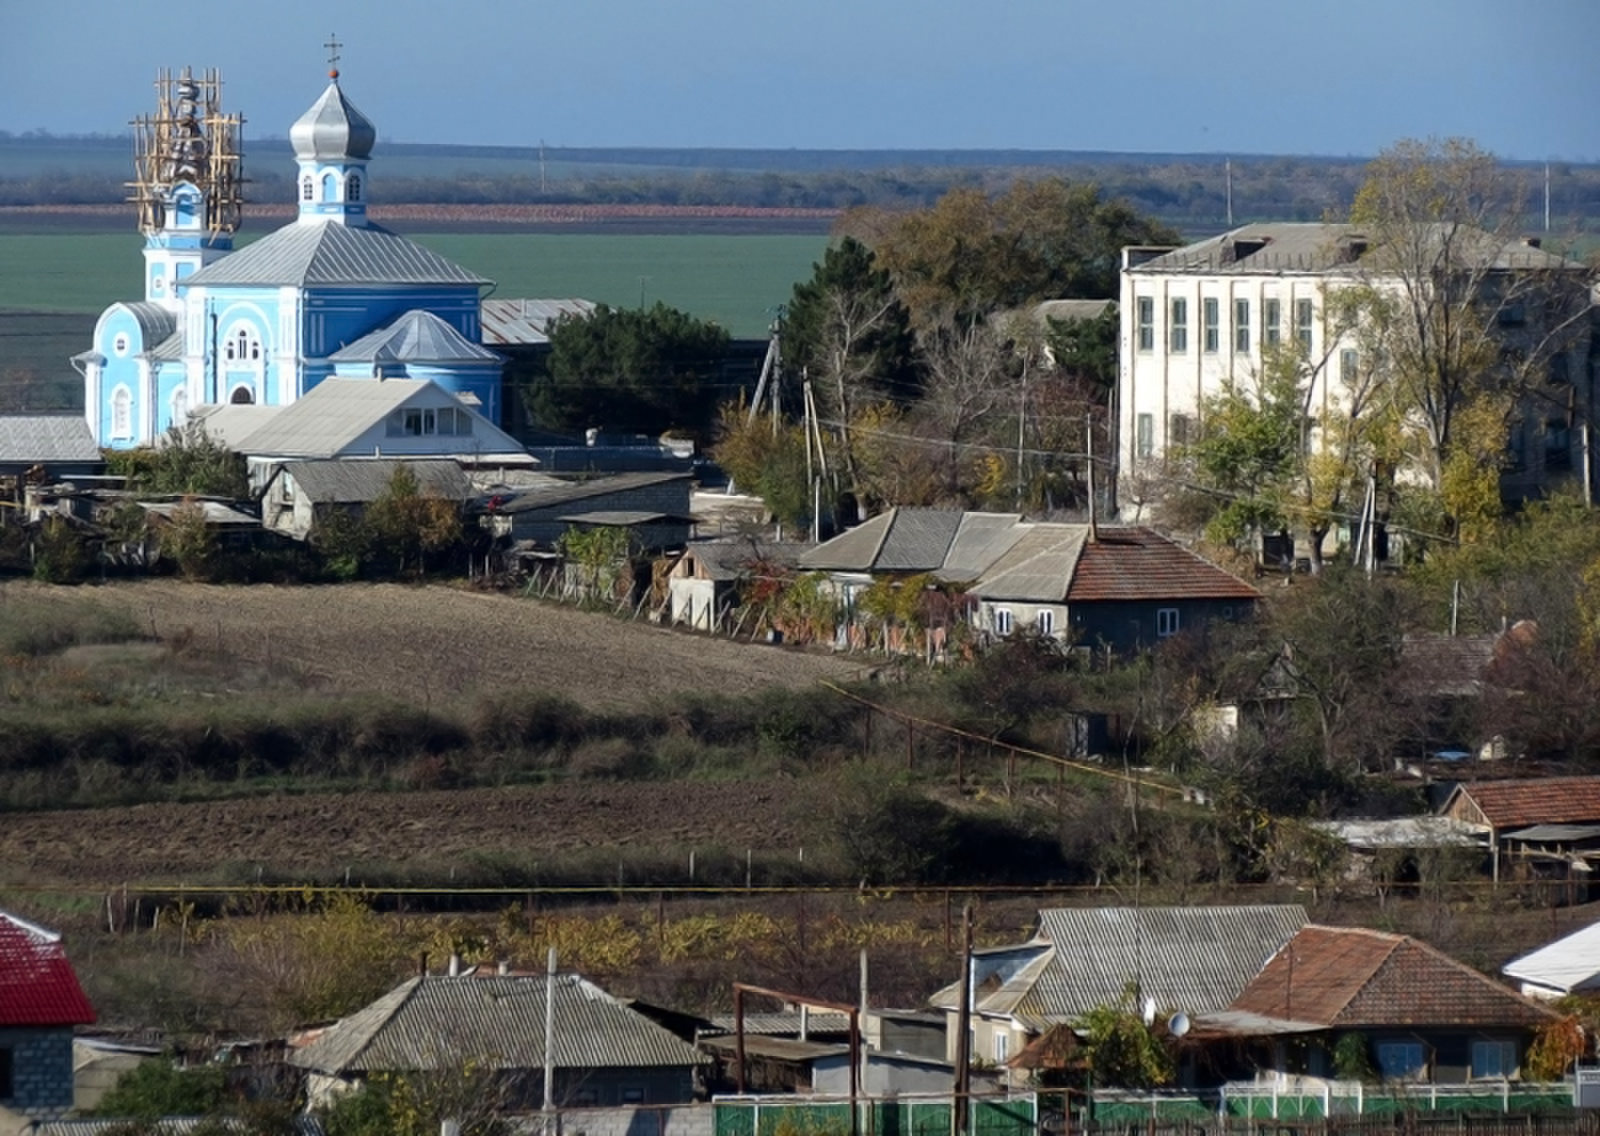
(282, 140)
(1241, 77)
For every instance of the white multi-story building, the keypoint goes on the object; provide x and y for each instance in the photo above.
(1196, 316)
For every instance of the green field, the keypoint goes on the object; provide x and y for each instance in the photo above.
(734, 280)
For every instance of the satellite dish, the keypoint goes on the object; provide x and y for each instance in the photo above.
(1149, 1011)
(1178, 1024)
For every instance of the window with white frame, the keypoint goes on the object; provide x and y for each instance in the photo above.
(1401, 1060)
(122, 413)
(1494, 1058)
(1045, 623)
(1144, 443)
(1166, 622)
(1349, 361)
(428, 421)
(1178, 430)
(1304, 316)
(241, 345)
(1002, 621)
(1002, 1046)
(1241, 326)
(330, 188)
(1178, 333)
(1147, 323)
(1271, 322)
(1211, 312)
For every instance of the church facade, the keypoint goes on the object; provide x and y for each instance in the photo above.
(329, 294)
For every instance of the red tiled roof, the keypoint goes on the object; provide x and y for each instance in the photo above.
(1345, 977)
(1532, 800)
(37, 985)
(1138, 564)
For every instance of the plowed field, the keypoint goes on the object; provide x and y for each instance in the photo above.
(322, 833)
(436, 644)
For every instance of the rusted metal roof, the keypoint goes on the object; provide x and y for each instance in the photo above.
(1132, 564)
(1353, 978)
(1530, 801)
(438, 1022)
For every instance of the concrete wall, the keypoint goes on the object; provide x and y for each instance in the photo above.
(41, 1071)
(678, 1120)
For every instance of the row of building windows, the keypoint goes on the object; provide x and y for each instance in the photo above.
(330, 188)
(1211, 324)
(1044, 622)
(424, 422)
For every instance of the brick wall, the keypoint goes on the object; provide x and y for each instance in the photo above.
(41, 1071)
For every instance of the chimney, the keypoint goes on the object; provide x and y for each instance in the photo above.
(422, 964)
(455, 965)
(504, 968)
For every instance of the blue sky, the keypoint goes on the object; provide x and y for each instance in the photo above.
(1345, 77)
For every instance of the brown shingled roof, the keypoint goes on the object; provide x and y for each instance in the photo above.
(1141, 565)
(1533, 800)
(1348, 977)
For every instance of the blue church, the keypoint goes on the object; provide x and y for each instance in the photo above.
(330, 294)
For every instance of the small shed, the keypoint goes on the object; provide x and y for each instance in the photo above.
(1507, 808)
(301, 494)
(654, 507)
(703, 584)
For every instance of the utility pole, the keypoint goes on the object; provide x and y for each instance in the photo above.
(1227, 167)
(550, 1044)
(959, 1124)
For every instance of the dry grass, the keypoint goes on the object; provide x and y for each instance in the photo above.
(436, 645)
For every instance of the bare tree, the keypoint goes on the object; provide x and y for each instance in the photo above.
(969, 379)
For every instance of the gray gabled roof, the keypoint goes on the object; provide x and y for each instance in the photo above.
(1194, 959)
(900, 540)
(561, 493)
(498, 1022)
(49, 438)
(416, 337)
(359, 480)
(1038, 567)
(311, 253)
(527, 322)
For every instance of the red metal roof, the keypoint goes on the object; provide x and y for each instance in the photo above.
(1138, 564)
(1532, 800)
(37, 985)
(1354, 978)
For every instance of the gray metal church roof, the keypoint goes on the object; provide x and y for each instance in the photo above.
(438, 1022)
(310, 253)
(416, 337)
(155, 321)
(332, 129)
(524, 322)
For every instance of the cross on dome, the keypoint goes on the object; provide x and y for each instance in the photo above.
(333, 45)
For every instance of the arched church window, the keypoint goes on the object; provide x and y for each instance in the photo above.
(122, 413)
(241, 345)
(308, 191)
(330, 188)
(180, 406)
(353, 188)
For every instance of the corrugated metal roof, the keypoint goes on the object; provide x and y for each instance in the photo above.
(37, 984)
(432, 1022)
(356, 480)
(1404, 832)
(732, 559)
(168, 349)
(980, 540)
(1554, 833)
(311, 253)
(1570, 963)
(213, 512)
(918, 540)
(231, 424)
(1040, 566)
(566, 492)
(526, 322)
(854, 550)
(301, 1124)
(1353, 978)
(1314, 247)
(1194, 959)
(416, 337)
(332, 129)
(781, 1022)
(46, 438)
(335, 412)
